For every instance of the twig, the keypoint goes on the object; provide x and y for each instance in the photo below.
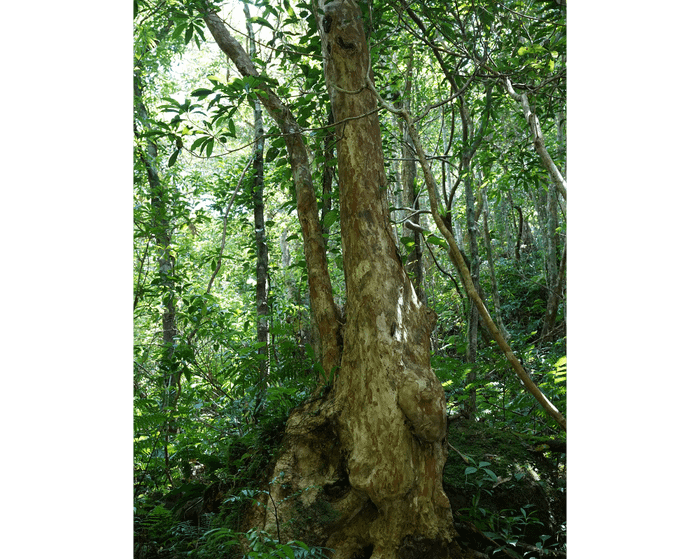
(223, 234)
(466, 461)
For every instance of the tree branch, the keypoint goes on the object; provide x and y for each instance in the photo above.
(223, 234)
(538, 138)
(323, 307)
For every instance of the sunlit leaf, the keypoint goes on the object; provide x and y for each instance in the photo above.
(434, 240)
(261, 21)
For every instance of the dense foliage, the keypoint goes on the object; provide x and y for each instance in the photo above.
(210, 398)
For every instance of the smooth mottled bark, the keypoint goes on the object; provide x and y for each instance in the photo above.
(391, 421)
(369, 452)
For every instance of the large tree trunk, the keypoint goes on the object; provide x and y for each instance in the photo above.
(362, 463)
(392, 422)
(365, 460)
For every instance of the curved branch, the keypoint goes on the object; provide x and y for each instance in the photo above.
(538, 138)
(323, 307)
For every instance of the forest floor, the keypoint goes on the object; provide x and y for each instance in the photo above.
(508, 488)
(507, 492)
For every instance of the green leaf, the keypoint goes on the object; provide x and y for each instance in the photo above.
(434, 240)
(408, 242)
(470, 470)
(202, 92)
(271, 154)
(330, 218)
(173, 157)
(493, 476)
(560, 372)
(210, 147)
(261, 21)
(198, 142)
(178, 30)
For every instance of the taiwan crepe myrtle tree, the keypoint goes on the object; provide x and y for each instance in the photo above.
(363, 460)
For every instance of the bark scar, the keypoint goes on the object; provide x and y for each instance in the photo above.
(344, 45)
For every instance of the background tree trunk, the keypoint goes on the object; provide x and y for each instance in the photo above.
(538, 139)
(161, 228)
(557, 282)
(258, 188)
(492, 269)
(459, 261)
(414, 260)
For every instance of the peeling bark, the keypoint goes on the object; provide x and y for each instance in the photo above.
(391, 407)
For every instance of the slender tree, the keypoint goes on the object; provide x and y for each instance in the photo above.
(414, 259)
(557, 274)
(492, 268)
(538, 138)
(161, 228)
(261, 267)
